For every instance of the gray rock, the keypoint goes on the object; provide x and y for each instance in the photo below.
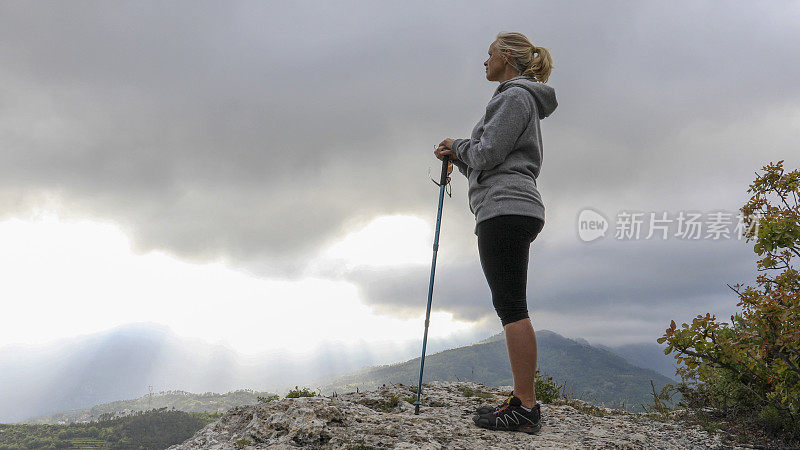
(384, 418)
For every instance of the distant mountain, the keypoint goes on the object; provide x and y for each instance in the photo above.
(591, 373)
(178, 400)
(119, 364)
(155, 429)
(69, 377)
(647, 355)
(78, 373)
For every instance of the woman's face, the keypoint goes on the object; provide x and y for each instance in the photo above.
(495, 64)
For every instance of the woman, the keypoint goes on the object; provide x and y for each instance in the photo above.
(501, 160)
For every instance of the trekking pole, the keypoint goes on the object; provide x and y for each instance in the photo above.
(441, 184)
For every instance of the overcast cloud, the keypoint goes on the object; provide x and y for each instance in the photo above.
(260, 132)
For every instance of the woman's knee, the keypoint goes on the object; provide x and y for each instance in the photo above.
(511, 315)
(511, 311)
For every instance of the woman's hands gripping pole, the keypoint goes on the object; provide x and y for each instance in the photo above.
(445, 148)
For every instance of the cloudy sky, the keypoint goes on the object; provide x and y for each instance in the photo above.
(258, 173)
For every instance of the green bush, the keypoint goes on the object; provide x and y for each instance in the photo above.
(547, 390)
(268, 398)
(748, 370)
(296, 393)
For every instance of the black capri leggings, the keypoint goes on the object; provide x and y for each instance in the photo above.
(503, 246)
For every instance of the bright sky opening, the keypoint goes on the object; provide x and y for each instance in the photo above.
(64, 278)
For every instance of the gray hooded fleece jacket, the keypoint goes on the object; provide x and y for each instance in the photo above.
(503, 157)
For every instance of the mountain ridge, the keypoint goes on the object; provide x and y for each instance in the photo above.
(97, 402)
(588, 372)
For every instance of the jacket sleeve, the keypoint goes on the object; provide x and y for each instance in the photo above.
(460, 164)
(507, 116)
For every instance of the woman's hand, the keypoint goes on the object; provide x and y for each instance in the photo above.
(445, 148)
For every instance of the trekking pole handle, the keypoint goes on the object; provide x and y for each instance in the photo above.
(445, 160)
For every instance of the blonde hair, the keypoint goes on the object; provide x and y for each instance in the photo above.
(528, 59)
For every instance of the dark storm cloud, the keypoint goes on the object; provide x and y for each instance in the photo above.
(256, 131)
(611, 278)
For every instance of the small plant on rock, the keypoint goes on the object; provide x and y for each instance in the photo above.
(243, 442)
(467, 391)
(547, 390)
(268, 398)
(297, 392)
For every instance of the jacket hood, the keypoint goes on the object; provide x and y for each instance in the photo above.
(545, 95)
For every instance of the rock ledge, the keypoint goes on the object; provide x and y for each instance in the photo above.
(383, 418)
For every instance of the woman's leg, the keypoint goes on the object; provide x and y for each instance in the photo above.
(521, 344)
(503, 245)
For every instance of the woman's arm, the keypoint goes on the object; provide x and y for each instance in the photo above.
(461, 166)
(507, 116)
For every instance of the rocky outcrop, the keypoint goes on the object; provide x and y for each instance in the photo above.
(384, 418)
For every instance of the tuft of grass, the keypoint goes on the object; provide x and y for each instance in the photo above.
(385, 404)
(587, 408)
(467, 391)
(711, 427)
(660, 409)
(241, 443)
(389, 404)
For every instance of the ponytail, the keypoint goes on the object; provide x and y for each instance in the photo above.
(541, 64)
(528, 59)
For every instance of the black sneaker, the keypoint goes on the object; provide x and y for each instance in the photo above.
(491, 409)
(512, 418)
